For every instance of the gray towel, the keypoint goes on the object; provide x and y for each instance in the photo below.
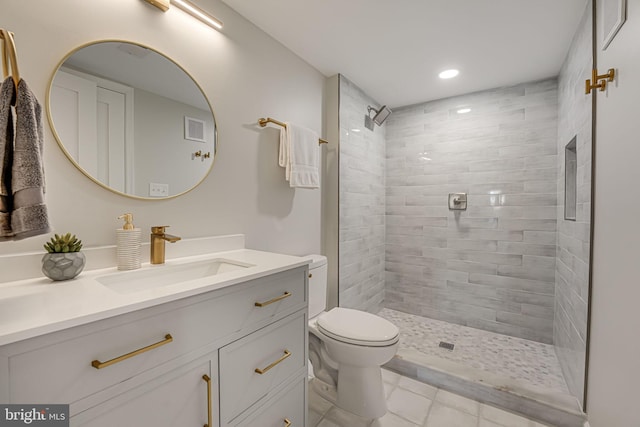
(7, 94)
(29, 216)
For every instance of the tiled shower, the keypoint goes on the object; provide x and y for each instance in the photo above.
(492, 265)
(510, 263)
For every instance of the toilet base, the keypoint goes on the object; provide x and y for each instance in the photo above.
(324, 390)
(361, 391)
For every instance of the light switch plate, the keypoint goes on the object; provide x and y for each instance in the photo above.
(158, 190)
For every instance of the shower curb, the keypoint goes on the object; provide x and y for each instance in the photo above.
(559, 410)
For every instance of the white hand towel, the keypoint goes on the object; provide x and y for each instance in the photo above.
(283, 154)
(304, 158)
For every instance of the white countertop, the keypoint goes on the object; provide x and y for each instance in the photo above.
(34, 307)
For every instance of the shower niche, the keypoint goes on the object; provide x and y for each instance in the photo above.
(570, 180)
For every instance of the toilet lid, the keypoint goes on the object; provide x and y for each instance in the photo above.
(357, 327)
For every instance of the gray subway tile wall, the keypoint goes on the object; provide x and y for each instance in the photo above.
(362, 204)
(493, 265)
(572, 264)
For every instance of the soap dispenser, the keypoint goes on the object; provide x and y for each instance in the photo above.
(128, 244)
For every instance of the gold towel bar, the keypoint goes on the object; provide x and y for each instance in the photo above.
(263, 122)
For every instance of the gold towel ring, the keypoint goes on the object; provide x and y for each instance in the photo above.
(9, 57)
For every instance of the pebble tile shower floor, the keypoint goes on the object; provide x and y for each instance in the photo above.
(522, 360)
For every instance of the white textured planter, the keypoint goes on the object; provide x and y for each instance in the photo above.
(63, 266)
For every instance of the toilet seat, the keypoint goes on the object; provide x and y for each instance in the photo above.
(357, 327)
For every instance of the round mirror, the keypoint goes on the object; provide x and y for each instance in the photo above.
(132, 120)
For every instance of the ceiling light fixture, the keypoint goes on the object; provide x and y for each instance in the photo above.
(190, 8)
(448, 74)
(463, 110)
(163, 5)
(198, 13)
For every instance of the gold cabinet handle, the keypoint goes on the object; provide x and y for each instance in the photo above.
(271, 301)
(287, 423)
(99, 365)
(287, 353)
(208, 381)
(310, 275)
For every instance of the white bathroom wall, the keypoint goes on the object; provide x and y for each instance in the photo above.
(331, 187)
(244, 73)
(160, 119)
(614, 348)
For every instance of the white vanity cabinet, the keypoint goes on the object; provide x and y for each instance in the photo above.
(150, 367)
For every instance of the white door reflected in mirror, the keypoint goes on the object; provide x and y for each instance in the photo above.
(120, 113)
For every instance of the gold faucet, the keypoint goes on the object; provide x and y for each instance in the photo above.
(158, 238)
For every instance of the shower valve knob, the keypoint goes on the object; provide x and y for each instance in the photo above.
(458, 201)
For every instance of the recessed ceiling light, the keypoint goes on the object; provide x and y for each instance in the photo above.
(463, 110)
(355, 130)
(448, 74)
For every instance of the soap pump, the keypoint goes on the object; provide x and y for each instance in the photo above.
(128, 244)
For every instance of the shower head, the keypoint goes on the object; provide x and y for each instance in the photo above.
(379, 118)
(381, 114)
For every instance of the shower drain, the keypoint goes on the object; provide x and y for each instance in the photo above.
(446, 345)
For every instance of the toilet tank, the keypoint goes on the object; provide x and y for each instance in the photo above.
(317, 285)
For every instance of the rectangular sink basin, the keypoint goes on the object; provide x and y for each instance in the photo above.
(169, 274)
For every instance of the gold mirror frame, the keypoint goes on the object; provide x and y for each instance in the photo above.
(79, 167)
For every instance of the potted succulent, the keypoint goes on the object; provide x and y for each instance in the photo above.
(63, 260)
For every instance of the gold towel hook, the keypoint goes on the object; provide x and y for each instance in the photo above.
(599, 80)
(9, 56)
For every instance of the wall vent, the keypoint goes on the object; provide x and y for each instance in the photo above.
(446, 345)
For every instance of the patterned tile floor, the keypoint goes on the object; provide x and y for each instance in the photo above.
(414, 404)
(522, 360)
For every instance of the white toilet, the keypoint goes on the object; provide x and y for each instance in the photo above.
(346, 349)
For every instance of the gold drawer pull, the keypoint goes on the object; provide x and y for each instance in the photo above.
(287, 423)
(99, 365)
(271, 301)
(209, 419)
(310, 275)
(287, 353)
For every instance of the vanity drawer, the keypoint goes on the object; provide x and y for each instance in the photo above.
(287, 408)
(63, 372)
(278, 351)
(268, 298)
